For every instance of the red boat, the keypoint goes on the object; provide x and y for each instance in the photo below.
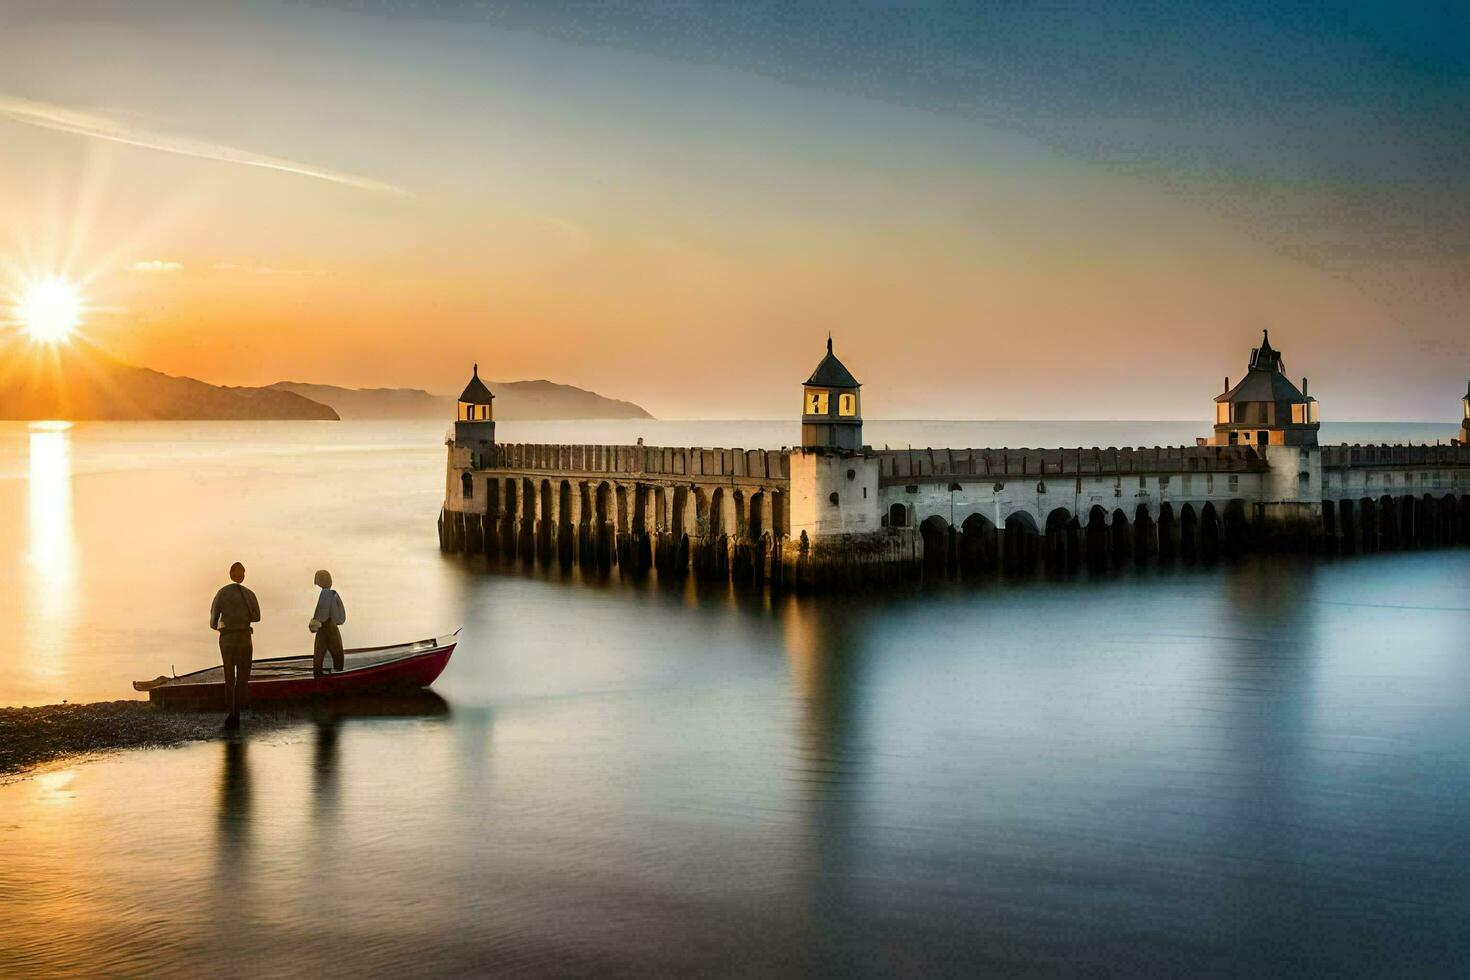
(368, 670)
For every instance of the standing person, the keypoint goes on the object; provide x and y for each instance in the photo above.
(330, 614)
(233, 610)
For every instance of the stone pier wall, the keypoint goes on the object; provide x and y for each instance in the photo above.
(713, 512)
(1385, 497)
(809, 520)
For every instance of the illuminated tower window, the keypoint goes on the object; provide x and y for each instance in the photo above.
(830, 387)
(474, 417)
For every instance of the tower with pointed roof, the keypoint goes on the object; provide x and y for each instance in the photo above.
(1465, 417)
(474, 421)
(833, 478)
(831, 407)
(1265, 408)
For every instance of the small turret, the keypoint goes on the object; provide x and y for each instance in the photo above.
(1465, 417)
(1265, 408)
(474, 423)
(831, 412)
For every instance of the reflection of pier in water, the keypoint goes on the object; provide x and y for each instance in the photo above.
(1266, 668)
(824, 656)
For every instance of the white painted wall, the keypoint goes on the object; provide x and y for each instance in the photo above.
(1037, 497)
(862, 503)
(815, 476)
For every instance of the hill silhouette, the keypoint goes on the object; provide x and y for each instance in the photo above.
(514, 401)
(79, 382)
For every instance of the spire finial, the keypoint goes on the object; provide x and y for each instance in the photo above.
(829, 341)
(477, 369)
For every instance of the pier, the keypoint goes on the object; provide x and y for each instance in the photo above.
(833, 512)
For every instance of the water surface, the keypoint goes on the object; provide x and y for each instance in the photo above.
(1239, 768)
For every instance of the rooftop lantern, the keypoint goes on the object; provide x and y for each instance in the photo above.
(1265, 408)
(831, 407)
(474, 421)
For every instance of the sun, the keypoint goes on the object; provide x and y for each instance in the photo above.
(50, 310)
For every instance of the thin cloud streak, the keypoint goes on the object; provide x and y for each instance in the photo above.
(66, 120)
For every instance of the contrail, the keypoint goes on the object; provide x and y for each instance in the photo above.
(66, 120)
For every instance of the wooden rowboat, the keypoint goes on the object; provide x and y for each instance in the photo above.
(368, 670)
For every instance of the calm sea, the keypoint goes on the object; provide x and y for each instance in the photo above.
(1254, 767)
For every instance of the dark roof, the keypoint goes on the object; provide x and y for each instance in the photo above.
(1264, 382)
(475, 392)
(1265, 356)
(831, 373)
(1261, 385)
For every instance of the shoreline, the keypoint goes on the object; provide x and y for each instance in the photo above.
(31, 737)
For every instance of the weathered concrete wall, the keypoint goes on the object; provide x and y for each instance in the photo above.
(1383, 497)
(1402, 457)
(886, 555)
(836, 534)
(1038, 501)
(769, 514)
(916, 465)
(751, 465)
(717, 512)
(833, 494)
(1289, 506)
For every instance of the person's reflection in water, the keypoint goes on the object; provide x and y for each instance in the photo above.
(233, 839)
(472, 732)
(325, 779)
(326, 767)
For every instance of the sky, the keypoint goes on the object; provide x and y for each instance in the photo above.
(998, 210)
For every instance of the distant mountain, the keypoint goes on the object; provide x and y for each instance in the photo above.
(76, 381)
(372, 403)
(514, 401)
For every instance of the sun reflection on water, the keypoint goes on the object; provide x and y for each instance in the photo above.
(55, 787)
(51, 551)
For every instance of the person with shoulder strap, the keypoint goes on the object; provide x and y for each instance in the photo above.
(233, 610)
(329, 614)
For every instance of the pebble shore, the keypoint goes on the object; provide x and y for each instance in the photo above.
(30, 737)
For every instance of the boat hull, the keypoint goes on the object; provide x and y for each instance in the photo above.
(409, 667)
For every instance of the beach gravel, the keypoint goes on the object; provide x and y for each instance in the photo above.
(33, 736)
